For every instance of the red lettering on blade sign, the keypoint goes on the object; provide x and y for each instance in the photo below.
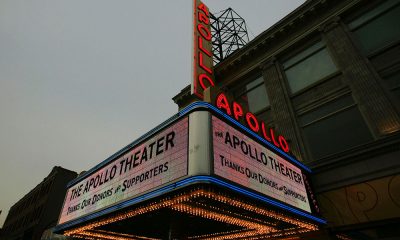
(252, 122)
(203, 64)
(203, 77)
(203, 8)
(203, 18)
(200, 41)
(204, 31)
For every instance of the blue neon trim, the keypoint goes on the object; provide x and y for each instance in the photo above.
(206, 105)
(182, 183)
(175, 117)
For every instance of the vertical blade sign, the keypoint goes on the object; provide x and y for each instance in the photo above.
(202, 50)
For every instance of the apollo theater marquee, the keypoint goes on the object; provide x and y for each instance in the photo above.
(201, 174)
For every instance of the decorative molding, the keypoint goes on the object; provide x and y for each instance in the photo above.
(330, 24)
(267, 63)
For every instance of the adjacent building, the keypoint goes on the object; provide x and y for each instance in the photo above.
(39, 209)
(327, 77)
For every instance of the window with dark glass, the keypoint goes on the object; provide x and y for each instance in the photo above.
(393, 83)
(334, 127)
(308, 67)
(378, 27)
(254, 96)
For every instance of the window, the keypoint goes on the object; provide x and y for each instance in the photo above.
(334, 127)
(308, 67)
(254, 95)
(393, 83)
(378, 27)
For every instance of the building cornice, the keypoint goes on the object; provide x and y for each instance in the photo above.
(280, 32)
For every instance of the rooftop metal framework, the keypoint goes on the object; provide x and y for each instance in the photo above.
(229, 33)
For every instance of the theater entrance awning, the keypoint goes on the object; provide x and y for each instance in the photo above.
(199, 175)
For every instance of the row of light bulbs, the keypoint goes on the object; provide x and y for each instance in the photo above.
(186, 203)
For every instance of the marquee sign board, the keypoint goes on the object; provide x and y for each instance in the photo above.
(243, 161)
(161, 159)
(192, 147)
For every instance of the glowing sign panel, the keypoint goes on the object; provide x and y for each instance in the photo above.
(157, 161)
(246, 162)
(202, 52)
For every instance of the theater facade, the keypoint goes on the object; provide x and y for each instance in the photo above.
(294, 136)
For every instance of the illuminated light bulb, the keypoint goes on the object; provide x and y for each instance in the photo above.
(186, 202)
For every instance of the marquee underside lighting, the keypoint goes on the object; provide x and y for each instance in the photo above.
(195, 208)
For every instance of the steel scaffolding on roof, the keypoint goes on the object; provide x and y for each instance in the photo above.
(229, 33)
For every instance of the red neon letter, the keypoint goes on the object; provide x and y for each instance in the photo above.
(204, 8)
(222, 103)
(202, 64)
(203, 18)
(273, 137)
(264, 132)
(204, 31)
(252, 122)
(237, 110)
(201, 80)
(283, 143)
(200, 42)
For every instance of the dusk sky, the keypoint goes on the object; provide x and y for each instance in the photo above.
(80, 79)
